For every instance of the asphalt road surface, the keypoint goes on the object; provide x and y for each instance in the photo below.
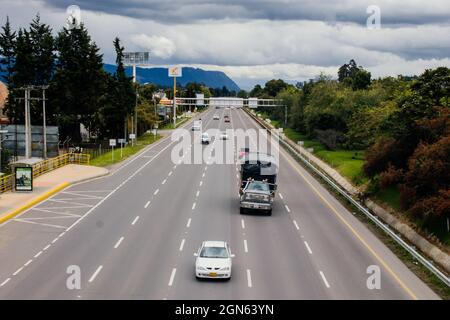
(132, 235)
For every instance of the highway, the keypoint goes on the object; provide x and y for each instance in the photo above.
(133, 234)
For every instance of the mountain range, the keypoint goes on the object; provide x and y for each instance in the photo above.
(159, 76)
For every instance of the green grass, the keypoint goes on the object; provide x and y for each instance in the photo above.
(390, 196)
(106, 159)
(348, 163)
(169, 125)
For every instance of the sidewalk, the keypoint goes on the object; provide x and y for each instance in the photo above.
(12, 203)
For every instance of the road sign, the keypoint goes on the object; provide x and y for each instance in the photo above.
(112, 142)
(175, 71)
(200, 99)
(121, 141)
(132, 136)
(253, 103)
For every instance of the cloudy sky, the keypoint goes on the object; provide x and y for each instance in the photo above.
(257, 40)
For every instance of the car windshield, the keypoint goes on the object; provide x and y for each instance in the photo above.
(260, 186)
(214, 252)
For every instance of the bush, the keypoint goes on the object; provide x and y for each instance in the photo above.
(379, 155)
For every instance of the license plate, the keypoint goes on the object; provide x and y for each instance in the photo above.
(213, 274)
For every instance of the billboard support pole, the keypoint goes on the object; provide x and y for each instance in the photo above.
(174, 102)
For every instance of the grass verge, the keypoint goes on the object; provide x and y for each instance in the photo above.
(118, 155)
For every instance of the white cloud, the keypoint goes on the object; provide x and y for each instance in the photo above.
(159, 46)
(256, 50)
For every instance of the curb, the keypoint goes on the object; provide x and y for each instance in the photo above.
(33, 202)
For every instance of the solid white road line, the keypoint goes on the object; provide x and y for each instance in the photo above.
(172, 276)
(242, 223)
(28, 262)
(5, 282)
(38, 254)
(17, 271)
(46, 247)
(182, 244)
(307, 247)
(147, 204)
(156, 192)
(198, 192)
(188, 223)
(54, 240)
(118, 242)
(296, 225)
(324, 279)
(245, 246)
(170, 173)
(96, 273)
(281, 196)
(201, 182)
(135, 220)
(164, 181)
(249, 278)
(287, 208)
(193, 206)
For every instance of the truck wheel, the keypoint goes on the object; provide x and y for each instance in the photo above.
(269, 212)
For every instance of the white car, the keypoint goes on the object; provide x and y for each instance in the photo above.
(213, 260)
(216, 117)
(206, 139)
(223, 136)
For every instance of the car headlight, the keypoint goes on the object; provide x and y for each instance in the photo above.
(200, 268)
(225, 269)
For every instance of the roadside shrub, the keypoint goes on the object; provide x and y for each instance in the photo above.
(391, 176)
(379, 155)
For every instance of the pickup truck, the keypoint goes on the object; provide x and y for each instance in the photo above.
(258, 177)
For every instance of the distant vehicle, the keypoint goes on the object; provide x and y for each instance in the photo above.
(216, 117)
(206, 139)
(226, 118)
(197, 125)
(223, 136)
(258, 178)
(213, 260)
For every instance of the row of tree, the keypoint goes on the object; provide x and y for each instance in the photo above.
(79, 92)
(402, 123)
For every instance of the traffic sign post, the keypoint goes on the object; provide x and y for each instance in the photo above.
(175, 72)
(112, 144)
(121, 141)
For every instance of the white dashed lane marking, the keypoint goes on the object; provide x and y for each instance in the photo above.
(324, 279)
(118, 242)
(182, 244)
(245, 246)
(242, 224)
(249, 278)
(96, 273)
(307, 247)
(188, 223)
(147, 204)
(287, 208)
(172, 276)
(156, 192)
(296, 225)
(135, 220)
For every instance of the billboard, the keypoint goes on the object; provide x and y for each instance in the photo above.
(136, 58)
(24, 178)
(175, 71)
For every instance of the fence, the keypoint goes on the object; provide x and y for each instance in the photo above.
(6, 183)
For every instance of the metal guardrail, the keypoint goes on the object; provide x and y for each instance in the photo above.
(385, 227)
(40, 168)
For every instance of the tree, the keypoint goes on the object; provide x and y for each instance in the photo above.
(242, 94)
(79, 84)
(257, 91)
(7, 45)
(273, 87)
(43, 46)
(352, 75)
(120, 98)
(361, 79)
